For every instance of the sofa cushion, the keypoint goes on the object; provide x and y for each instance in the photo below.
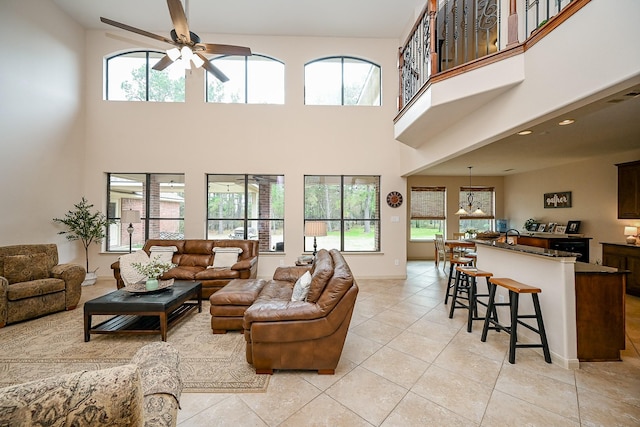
(225, 257)
(164, 254)
(34, 288)
(321, 272)
(217, 273)
(301, 288)
(84, 398)
(182, 273)
(24, 268)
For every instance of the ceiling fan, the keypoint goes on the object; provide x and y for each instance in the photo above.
(186, 44)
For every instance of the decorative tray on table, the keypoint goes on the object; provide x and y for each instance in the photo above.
(140, 287)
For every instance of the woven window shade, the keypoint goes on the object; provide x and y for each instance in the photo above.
(427, 202)
(482, 198)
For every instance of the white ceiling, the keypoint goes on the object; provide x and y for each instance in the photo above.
(325, 18)
(602, 127)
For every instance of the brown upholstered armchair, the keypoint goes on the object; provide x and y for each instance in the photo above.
(310, 335)
(33, 284)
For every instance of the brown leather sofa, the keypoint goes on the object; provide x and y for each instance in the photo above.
(194, 256)
(307, 335)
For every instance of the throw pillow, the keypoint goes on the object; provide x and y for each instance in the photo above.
(164, 254)
(301, 288)
(24, 268)
(225, 257)
(129, 274)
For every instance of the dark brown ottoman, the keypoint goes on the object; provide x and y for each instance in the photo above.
(229, 304)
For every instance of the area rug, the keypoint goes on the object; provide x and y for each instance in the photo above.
(54, 345)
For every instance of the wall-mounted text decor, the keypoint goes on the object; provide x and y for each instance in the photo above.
(560, 199)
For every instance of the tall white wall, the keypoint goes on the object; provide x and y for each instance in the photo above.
(197, 138)
(42, 122)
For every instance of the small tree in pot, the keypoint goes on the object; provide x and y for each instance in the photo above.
(86, 226)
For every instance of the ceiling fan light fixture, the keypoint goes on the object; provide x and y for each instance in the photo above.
(186, 53)
(173, 53)
(197, 61)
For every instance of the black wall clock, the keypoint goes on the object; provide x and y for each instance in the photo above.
(394, 199)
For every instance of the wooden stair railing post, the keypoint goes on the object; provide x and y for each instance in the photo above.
(512, 24)
(433, 54)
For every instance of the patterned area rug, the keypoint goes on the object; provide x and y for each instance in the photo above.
(55, 344)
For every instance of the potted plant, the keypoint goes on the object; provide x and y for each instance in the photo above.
(86, 226)
(152, 271)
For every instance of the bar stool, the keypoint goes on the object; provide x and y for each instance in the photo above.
(453, 263)
(515, 289)
(466, 283)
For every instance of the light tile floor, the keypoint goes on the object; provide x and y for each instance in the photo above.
(405, 363)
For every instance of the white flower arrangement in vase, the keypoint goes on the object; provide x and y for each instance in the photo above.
(152, 271)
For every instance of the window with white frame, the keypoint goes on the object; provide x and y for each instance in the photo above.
(350, 207)
(342, 80)
(427, 207)
(130, 77)
(483, 199)
(255, 79)
(247, 207)
(157, 198)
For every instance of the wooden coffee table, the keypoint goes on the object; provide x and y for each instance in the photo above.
(143, 313)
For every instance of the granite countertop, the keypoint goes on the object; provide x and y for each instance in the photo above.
(552, 253)
(582, 267)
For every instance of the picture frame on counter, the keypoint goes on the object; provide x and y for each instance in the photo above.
(560, 229)
(573, 227)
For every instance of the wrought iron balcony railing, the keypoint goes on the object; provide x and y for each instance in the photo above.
(451, 33)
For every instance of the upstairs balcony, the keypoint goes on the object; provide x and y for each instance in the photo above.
(462, 54)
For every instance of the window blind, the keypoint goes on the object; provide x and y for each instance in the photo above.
(428, 202)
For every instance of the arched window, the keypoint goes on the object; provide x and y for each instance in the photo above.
(255, 79)
(130, 77)
(341, 80)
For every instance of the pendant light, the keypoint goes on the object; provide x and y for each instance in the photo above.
(470, 211)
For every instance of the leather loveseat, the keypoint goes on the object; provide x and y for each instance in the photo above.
(144, 392)
(193, 256)
(306, 335)
(33, 284)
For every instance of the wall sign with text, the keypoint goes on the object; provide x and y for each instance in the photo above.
(561, 199)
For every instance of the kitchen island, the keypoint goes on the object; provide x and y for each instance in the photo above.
(576, 299)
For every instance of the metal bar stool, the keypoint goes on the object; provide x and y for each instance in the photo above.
(515, 289)
(466, 283)
(453, 263)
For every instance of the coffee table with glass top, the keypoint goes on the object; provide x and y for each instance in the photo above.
(143, 313)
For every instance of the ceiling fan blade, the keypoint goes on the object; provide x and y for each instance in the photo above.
(213, 69)
(164, 62)
(136, 30)
(223, 49)
(179, 20)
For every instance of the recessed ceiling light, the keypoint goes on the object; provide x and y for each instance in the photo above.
(525, 132)
(566, 122)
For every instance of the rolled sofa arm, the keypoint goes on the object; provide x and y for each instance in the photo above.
(162, 385)
(73, 276)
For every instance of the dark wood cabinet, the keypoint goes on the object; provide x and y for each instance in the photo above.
(600, 312)
(568, 244)
(625, 257)
(629, 190)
